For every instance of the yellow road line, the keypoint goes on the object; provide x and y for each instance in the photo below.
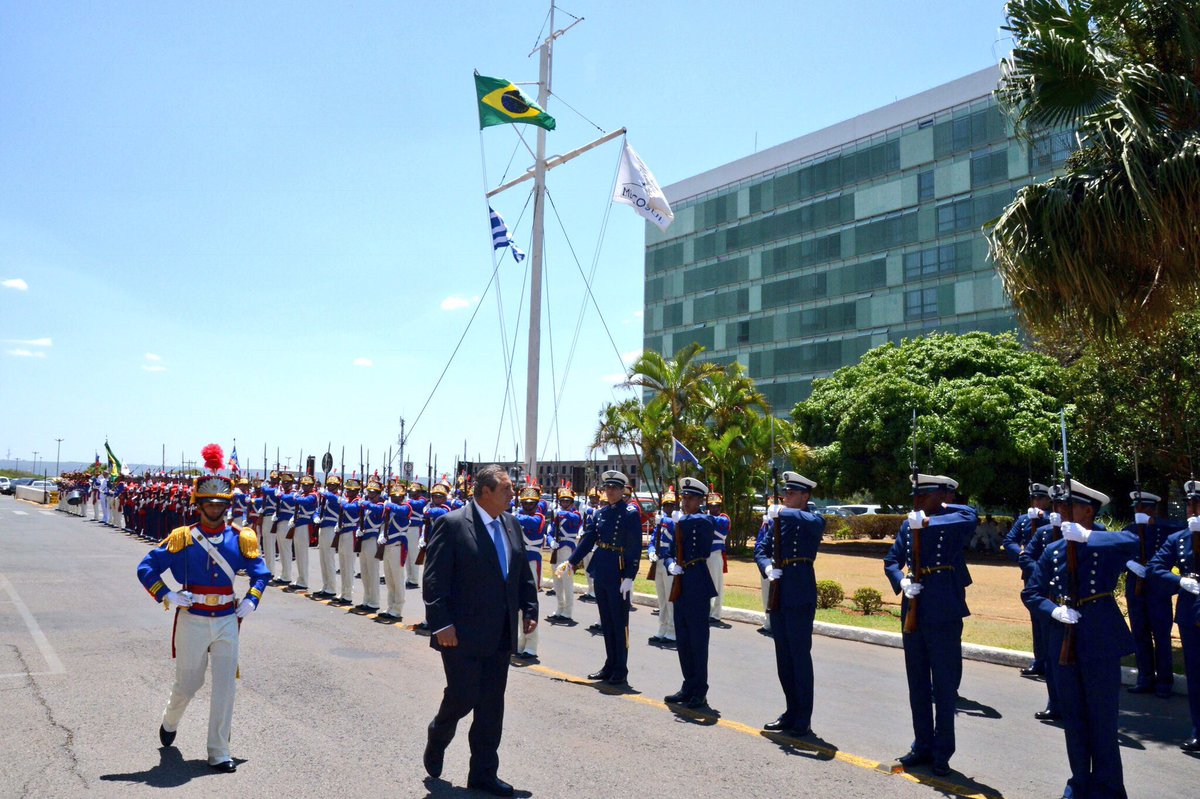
(831, 754)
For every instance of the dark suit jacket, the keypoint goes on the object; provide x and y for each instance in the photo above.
(463, 585)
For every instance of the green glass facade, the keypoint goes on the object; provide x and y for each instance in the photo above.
(799, 267)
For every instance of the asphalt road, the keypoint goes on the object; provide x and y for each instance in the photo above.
(333, 704)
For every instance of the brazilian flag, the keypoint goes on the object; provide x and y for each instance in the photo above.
(114, 465)
(501, 103)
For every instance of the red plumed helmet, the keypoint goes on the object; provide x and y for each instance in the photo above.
(214, 457)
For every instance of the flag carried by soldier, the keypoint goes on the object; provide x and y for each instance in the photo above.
(114, 465)
(234, 466)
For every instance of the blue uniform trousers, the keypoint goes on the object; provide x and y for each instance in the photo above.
(691, 641)
(1189, 635)
(933, 663)
(1089, 693)
(1051, 654)
(1150, 622)
(1039, 643)
(614, 623)
(793, 630)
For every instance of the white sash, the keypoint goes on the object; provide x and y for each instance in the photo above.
(216, 556)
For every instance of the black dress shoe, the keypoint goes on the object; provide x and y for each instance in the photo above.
(434, 754)
(165, 738)
(1032, 672)
(410, 585)
(495, 786)
(1048, 715)
(550, 592)
(225, 766)
(914, 759)
(599, 675)
(778, 725)
(941, 769)
(1191, 745)
(617, 681)
(696, 703)
(596, 628)
(675, 698)
(1140, 689)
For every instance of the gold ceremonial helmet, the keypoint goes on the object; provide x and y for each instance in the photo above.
(530, 494)
(396, 489)
(592, 493)
(353, 484)
(212, 488)
(566, 493)
(287, 477)
(415, 487)
(669, 497)
(714, 498)
(274, 475)
(333, 481)
(242, 481)
(440, 489)
(307, 480)
(373, 485)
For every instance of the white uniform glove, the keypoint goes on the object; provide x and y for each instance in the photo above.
(421, 540)
(626, 586)
(674, 570)
(774, 573)
(1141, 518)
(1136, 568)
(181, 599)
(1034, 513)
(1074, 531)
(245, 608)
(1056, 520)
(1065, 615)
(917, 518)
(1194, 524)
(676, 515)
(1189, 584)
(381, 540)
(910, 588)
(563, 569)
(653, 556)
(773, 511)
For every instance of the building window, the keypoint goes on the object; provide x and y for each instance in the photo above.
(1050, 150)
(941, 260)
(925, 185)
(955, 216)
(920, 304)
(743, 332)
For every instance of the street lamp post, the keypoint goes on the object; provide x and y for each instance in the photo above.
(57, 454)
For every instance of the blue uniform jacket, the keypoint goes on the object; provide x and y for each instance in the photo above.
(569, 523)
(191, 567)
(720, 531)
(270, 498)
(664, 528)
(1101, 632)
(616, 535)
(944, 596)
(694, 534)
(800, 534)
(285, 507)
(1018, 537)
(398, 516)
(1157, 534)
(1176, 553)
(306, 509)
(331, 509)
(532, 527)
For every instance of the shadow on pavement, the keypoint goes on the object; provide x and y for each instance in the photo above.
(438, 788)
(1153, 720)
(701, 717)
(170, 772)
(811, 746)
(956, 784)
(969, 707)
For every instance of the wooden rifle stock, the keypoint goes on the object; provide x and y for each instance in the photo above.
(774, 592)
(1066, 655)
(910, 620)
(653, 573)
(425, 534)
(677, 580)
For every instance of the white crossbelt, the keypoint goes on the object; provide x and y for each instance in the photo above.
(216, 556)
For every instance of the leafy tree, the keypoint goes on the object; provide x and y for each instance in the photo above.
(1111, 244)
(987, 414)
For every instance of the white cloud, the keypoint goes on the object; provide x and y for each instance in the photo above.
(153, 368)
(637, 314)
(454, 303)
(32, 342)
(363, 362)
(631, 356)
(22, 353)
(15, 283)
(150, 356)
(614, 379)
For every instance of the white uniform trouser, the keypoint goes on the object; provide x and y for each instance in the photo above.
(96, 508)
(300, 547)
(119, 515)
(766, 590)
(393, 572)
(666, 611)
(327, 559)
(282, 528)
(528, 643)
(106, 508)
(268, 543)
(196, 637)
(587, 561)
(411, 570)
(370, 570)
(564, 587)
(716, 568)
(345, 555)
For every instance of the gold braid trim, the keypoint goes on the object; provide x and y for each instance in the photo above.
(179, 538)
(248, 541)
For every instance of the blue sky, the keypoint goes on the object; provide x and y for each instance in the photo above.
(266, 221)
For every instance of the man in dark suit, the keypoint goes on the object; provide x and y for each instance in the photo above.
(475, 585)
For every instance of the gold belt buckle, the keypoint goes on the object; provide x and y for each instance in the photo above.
(212, 599)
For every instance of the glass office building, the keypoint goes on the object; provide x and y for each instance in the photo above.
(798, 259)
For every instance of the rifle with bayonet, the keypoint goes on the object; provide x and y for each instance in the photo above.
(1066, 656)
(426, 525)
(774, 593)
(1140, 588)
(914, 534)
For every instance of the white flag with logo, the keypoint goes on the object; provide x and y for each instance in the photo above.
(636, 187)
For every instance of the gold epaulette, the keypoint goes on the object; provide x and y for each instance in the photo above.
(248, 542)
(179, 538)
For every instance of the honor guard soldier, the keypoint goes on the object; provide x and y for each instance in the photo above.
(239, 510)
(568, 524)
(717, 565)
(435, 508)
(331, 519)
(589, 518)
(930, 547)
(1175, 568)
(204, 559)
(785, 557)
(270, 501)
(393, 551)
(304, 530)
(418, 501)
(684, 555)
(1014, 543)
(1072, 585)
(664, 531)
(1149, 608)
(343, 542)
(367, 545)
(285, 510)
(533, 530)
(616, 536)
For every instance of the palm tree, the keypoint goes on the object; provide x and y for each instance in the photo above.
(677, 380)
(1112, 243)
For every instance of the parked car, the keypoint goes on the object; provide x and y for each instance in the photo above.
(6, 486)
(834, 510)
(861, 510)
(43, 485)
(21, 481)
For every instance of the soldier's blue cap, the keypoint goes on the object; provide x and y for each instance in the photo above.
(1192, 489)
(1038, 490)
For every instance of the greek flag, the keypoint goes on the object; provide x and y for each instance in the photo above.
(500, 238)
(684, 455)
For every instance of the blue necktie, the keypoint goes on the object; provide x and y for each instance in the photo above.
(501, 546)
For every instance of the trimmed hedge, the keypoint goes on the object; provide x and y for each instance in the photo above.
(829, 594)
(868, 601)
(876, 525)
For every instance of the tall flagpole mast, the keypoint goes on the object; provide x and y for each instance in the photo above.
(533, 370)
